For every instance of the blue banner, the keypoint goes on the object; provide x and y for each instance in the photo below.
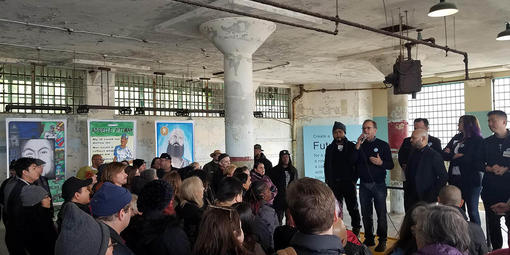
(177, 139)
(315, 141)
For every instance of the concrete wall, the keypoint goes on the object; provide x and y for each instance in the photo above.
(317, 108)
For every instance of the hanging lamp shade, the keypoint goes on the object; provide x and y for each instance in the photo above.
(505, 35)
(442, 9)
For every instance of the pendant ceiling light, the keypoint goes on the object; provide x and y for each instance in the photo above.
(443, 9)
(505, 35)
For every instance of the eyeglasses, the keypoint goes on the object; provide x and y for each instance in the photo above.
(230, 210)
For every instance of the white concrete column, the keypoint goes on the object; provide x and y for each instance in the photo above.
(238, 38)
(397, 131)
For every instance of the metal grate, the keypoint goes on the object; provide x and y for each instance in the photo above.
(501, 94)
(273, 102)
(36, 85)
(442, 104)
(163, 92)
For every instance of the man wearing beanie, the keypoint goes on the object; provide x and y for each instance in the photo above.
(157, 231)
(341, 174)
(111, 205)
(82, 235)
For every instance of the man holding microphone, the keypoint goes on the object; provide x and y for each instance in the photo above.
(373, 158)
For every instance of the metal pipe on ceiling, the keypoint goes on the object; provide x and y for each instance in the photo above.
(72, 30)
(364, 27)
(208, 6)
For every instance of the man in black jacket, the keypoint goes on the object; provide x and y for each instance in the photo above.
(27, 172)
(451, 196)
(341, 174)
(282, 175)
(373, 158)
(495, 160)
(260, 157)
(425, 173)
(406, 148)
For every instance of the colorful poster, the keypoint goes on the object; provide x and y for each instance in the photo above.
(114, 140)
(42, 139)
(176, 139)
(315, 141)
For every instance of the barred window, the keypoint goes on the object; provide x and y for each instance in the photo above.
(171, 94)
(501, 94)
(38, 85)
(273, 102)
(442, 104)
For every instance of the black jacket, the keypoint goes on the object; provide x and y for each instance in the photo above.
(316, 244)
(369, 172)
(339, 165)
(12, 217)
(156, 234)
(278, 177)
(191, 216)
(429, 177)
(470, 168)
(262, 158)
(406, 149)
(38, 231)
(493, 151)
(119, 247)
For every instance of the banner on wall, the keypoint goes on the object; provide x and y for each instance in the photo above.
(42, 139)
(114, 140)
(177, 139)
(315, 141)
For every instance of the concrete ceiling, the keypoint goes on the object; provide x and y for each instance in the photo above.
(175, 45)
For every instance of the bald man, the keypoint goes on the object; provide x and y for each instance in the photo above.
(452, 196)
(425, 172)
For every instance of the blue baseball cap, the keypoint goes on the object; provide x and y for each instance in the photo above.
(109, 199)
(124, 136)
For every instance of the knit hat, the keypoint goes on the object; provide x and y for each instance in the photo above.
(222, 156)
(109, 199)
(155, 196)
(73, 185)
(32, 194)
(81, 234)
(339, 125)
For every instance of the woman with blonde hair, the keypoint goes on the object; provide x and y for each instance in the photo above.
(190, 208)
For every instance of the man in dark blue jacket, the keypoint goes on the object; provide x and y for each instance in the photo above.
(425, 172)
(373, 158)
(341, 174)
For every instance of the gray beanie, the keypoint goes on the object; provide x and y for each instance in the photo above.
(32, 194)
(339, 125)
(81, 234)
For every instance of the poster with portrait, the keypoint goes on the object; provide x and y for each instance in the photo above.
(114, 140)
(42, 139)
(176, 139)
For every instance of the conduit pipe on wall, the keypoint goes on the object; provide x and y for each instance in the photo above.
(302, 91)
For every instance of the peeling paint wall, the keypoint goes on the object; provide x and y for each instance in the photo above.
(317, 108)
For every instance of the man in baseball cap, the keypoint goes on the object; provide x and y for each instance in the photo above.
(260, 157)
(76, 191)
(166, 165)
(111, 205)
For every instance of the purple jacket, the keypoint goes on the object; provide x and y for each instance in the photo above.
(258, 177)
(438, 249)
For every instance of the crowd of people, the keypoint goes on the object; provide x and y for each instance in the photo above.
(131, 208)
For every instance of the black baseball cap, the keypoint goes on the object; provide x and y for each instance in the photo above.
(23, 163)
(165, 156)
(73, 185)
(284, 152)
(257, 146)
(138, 162)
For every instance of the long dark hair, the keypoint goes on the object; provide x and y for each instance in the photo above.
(247, 222)
(470, 125)
(254, 195)
(219, 229)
